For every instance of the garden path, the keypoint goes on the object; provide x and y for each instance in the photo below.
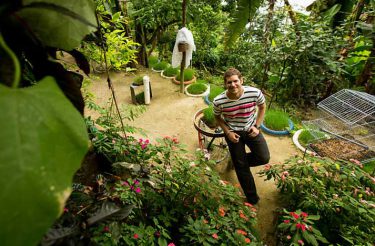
(171, 114)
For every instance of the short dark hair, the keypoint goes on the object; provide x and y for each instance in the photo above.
(230, 72)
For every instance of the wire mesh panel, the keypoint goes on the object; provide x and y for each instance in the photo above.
(348, 118)
(349, 106)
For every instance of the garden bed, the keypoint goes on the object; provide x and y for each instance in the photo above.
(337, 148)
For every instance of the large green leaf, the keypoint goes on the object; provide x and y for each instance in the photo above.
(43, 140)
(59, 23)
(245, 12)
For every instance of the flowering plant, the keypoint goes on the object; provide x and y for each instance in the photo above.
(341, 192)
(299, 230)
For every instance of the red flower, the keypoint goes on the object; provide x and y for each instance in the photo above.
(136, 236)
(106, 229)
(301, 226)
(286, 221)
(247, 240)
(304, 214)
(215, 236)
(222, 212)
(248, 204)
(241, 232)
(296, 216)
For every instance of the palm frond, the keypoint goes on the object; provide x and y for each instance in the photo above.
(245, 11)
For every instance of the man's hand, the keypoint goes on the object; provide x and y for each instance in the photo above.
(253, 131)
(233, 137)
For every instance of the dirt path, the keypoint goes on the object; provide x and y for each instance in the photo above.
(171, 114)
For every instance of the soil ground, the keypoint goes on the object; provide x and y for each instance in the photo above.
(170, 113)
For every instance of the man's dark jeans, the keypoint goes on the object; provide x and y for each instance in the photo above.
(242, 161)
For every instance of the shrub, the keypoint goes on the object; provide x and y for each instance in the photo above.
(152, 60)
(140, 98)
(182, 201)
(209, 117)
(341, 193)
(214, 91)
(276, 120)
(188, 74)
(138, 80)
(171, 71)
(161, 66)
(197, 88)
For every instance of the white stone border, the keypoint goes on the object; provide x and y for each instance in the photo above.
(198, 95)
(157, 71)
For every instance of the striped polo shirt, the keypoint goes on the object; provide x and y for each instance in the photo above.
(239, 114)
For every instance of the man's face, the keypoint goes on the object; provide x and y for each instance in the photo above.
(233, 84)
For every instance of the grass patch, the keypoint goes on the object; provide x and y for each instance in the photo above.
(209, 117)
(276, 120)
(138, 80)
(197, 88)
(214, 91)
(201, 81)
(161, 66)
(171, 71)
(306, 137)
(188, 74)
(216, 80)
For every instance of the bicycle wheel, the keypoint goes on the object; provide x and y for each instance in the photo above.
(216, 146)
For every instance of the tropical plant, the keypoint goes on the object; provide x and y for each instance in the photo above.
(299, 228)
(38, 92)
(152, 60)
(341, 193)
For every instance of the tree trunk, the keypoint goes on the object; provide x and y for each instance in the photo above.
(267, 41)
(292, 17)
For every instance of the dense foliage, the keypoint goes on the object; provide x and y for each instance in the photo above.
(341, 193)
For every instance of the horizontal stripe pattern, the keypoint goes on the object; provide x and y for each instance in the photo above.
(239, 114)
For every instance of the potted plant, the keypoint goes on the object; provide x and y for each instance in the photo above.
(170, 72)
(188, 77)
(160, 66)
(152, 61)
(209, 117)
(214, 91)
(138, 81)
(199, 89)
(277, 122)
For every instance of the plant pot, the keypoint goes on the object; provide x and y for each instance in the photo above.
(278, 133)
(198, 95)
(166, 77)
(185, 82)
(298, 145)
(157, 71)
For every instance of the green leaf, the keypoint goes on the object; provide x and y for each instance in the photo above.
(43, 140)
(110, 211)
(59, 23)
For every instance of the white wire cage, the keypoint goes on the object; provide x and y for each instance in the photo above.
(348, 122)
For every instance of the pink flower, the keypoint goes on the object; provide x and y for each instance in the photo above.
(304, 214)
(283, 177)
(138, 190)
(286, 221)
(286, 173)
(301, 226)
(247, 240)
(267, 167)
(135, 236)
(301, 242)
(147, 141)
(106, 229)
(125, 183)
(66, 210)
(135, 181)
(143, 146)
(140, 140)
(215, 236)
(288, 237)
(248, 204)
(171, 244)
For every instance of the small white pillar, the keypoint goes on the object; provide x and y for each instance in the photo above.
(146, 89)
